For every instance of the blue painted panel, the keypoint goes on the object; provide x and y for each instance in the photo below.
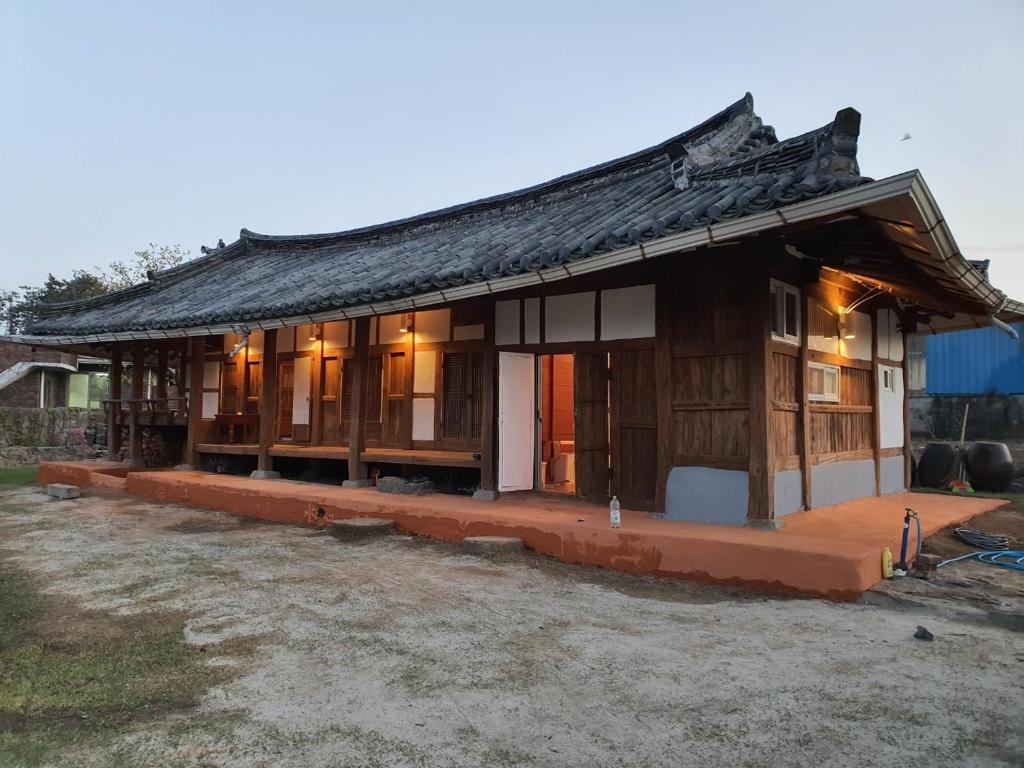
(975, 362)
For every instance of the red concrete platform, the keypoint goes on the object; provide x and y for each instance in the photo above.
(832, 552)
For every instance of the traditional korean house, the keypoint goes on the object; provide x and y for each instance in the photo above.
(712, 329)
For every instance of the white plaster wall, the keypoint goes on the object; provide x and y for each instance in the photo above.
(890, 338)
(569, 317)
(891, 477)
(506, 322)
(627, 313)
(423, 371)
(211, 404)
(859, 347)
(706, 495)
(789, 492)
(433, 326)
(890, 409)
(285, 339)
(301, 393)
(336, 334)
(389, 329)
(211, 375)
(841, 481)
(532, 321)
(302, 340)
(465, 332)
(423, 418)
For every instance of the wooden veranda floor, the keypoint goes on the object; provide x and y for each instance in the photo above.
(340, 452)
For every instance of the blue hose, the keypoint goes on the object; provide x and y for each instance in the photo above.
(1009, 558)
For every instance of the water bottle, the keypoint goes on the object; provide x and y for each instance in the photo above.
(615, 512)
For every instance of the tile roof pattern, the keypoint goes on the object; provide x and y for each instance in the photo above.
(730, 166)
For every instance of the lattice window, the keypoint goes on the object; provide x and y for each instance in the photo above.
(462, 415)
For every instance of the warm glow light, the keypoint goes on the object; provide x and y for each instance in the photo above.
(403, 325)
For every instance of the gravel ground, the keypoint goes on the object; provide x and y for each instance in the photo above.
(401, 652)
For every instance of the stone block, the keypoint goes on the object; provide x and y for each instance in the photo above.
(492, 545)
(62, 491)
(361, 527)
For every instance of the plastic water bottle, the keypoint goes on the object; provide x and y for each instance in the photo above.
(615, 512)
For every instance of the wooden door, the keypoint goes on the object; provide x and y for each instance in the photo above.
(396, 426)
(285, 397)
(591, 377)
(517, 420)
(330, 400)
(302, 399)
(634, 445)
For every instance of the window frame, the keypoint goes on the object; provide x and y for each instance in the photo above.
(780, 291)
(825, 396)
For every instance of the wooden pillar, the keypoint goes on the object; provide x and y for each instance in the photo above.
(268, 406)
(161, 377)
(806, 457)
(488, 455)
(360, 385)
(316, 387)
(135, 458)
(761, 472)
(114, 404)
(663, 378)
(876, 411)
(908, 465)
(197, 359)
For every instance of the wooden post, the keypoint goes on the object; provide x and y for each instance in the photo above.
(488, 455)
(195, 401)
(268, 406)
(663, 378)
(357, 434)
(876, 411)
(806, 457)
(114, 404)
(135, 458)
(761, 474)
(908, 466)
(161, 377)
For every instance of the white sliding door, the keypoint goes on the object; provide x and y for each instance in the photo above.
(517, 418)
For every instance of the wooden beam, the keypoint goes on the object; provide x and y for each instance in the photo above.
(135, 458)
(357, 435)
(114, 397)
(268, 403)
(488, 452)
(761, 474)
(876, 421)
(197, 359)
(805, 401)
(663, 379)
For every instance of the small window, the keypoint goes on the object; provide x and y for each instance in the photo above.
(785, 312)
(888, 378)
(823, 382)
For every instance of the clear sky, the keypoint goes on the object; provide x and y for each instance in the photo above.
(128, 123)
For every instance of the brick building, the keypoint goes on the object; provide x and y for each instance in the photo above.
(39, 378)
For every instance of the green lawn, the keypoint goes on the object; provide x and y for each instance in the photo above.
(70, 676)
(13, 476)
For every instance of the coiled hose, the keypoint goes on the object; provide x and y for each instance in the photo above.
(1010, 558)
(982, 540)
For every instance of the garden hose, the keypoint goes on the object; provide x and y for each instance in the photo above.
(982, 540)
(1011, 558)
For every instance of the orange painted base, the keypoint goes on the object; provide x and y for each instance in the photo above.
(832, 552)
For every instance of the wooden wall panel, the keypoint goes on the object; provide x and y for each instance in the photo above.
(785, 431)
(783, 378)
(855, 387)
(839, 432)
(710, 379)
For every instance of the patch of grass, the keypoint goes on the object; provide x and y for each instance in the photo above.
(11, 477)
(73, 676)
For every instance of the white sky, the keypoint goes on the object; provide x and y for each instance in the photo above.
(128, 123)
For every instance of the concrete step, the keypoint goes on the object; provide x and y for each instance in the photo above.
(492, 545)
(361, 527)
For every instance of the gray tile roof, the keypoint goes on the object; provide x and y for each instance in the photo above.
(729, 166)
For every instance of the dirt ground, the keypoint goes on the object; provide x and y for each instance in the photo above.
(401, 652)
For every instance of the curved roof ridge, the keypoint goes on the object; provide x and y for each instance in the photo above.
(744, 105)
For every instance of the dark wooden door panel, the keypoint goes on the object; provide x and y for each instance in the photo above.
(285, 393)
(330, 399)
(634, 447)
(591, 378)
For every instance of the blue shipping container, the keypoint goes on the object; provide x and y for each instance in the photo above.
(975, 362)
